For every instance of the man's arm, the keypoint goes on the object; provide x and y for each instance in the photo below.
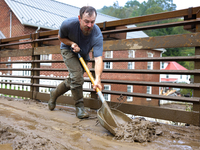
(98, 72)
(68, 42)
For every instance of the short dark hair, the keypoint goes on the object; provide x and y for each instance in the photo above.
(87, 9)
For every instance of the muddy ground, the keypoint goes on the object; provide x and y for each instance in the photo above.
(29, 125)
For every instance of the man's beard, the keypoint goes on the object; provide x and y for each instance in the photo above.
(86, 30)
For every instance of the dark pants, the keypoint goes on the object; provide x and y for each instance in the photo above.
(75, 70)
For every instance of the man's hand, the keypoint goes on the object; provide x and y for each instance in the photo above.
(97, 84)
(75, 47)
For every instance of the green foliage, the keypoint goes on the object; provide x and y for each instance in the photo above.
(116, 11)
(186, 92)
(189, 107)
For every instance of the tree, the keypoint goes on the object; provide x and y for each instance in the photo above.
(116, 11)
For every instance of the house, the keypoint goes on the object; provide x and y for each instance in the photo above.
(171, 78)
(19, 17)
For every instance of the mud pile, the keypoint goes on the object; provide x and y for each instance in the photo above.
(138, 130)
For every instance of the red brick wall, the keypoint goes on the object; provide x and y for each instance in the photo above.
(5, 19)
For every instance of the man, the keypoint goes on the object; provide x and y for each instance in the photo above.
(81, 34)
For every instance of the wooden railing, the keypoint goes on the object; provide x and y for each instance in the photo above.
(43, 43)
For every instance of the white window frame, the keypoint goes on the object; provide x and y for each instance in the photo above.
(108, 65)
(107, 96)
(46, 57)
(149, 91)
(129, 89)
(24, 72)
(131, 54)
(150, 63)
(131, 65)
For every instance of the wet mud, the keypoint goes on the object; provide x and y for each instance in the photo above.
(138, 130)
(29, 125)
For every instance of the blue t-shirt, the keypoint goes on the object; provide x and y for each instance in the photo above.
(70, 28)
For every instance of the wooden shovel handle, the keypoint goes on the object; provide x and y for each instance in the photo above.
(87, 71)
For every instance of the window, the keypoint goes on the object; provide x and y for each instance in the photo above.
(26, 66)
(187, 77)
(150, 64)
(24, 72)
(167, 76)
(129, 89)
(46, 57)
(131, 54)
(181, 76)
(108, 65)
(107, 96)
(131, 65)
(149, 91)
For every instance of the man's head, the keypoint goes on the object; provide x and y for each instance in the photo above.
(87, 19)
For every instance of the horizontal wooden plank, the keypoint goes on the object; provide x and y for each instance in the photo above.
(44, 97)
(182, 40)
(124, 82)
(48, 33)
(153, 96)
(16, 52)
(15, 38)
(147, 18)
(120, 71)
(162, 113)
(19, 93)
(150, 27)
(146, 111)
(47, 50)
(138, 59)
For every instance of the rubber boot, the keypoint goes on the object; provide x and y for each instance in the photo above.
(78, 97)
(55, 93)
(80, 111)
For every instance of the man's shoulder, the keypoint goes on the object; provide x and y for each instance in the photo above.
(97, 29)
(72, 20)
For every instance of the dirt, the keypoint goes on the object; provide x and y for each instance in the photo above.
(29, 125)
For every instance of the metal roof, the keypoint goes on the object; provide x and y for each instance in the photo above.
(49, 14)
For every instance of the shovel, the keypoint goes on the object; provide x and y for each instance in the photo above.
(110, 119)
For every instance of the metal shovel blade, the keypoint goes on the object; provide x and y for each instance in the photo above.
(105, 120)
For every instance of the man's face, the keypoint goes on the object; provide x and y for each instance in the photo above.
(87, 23)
